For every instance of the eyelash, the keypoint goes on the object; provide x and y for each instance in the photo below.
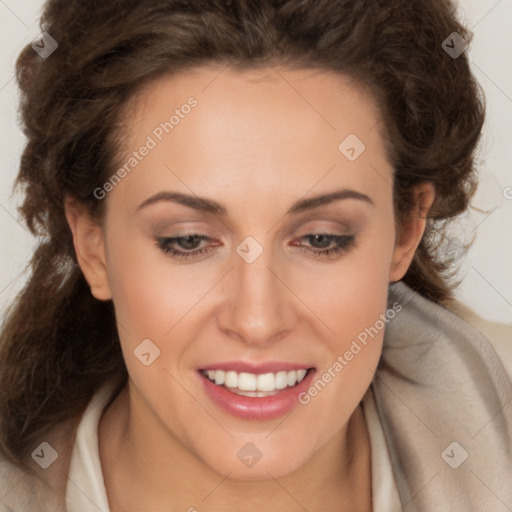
(344, 244)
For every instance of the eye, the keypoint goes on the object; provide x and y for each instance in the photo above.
(186, 246)
(325, 244)
(191, 246)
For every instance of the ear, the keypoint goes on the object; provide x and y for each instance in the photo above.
(411, 232)
(89, 246)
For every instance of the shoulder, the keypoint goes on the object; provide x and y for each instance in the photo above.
(39, 485)
(498, 334)
(443, 397)
(451, 335)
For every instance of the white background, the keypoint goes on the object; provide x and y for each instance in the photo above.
(487, 268)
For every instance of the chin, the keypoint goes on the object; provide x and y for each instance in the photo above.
(254, 458)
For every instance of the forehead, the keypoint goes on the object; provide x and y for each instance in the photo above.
(212, 129)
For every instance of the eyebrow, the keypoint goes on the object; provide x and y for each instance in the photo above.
(210, 206)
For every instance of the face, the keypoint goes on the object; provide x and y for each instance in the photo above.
(250, 244)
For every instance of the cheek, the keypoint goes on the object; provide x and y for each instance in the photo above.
(150, 294)
(352, 303)
(148, 303)
(144, 305)
(348, 295)
(151, 299)
(350, 298)
(158, 300)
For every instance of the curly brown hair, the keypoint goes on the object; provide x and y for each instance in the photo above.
(59, 344)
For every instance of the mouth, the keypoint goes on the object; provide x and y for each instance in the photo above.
(256, 385)
(256, 393)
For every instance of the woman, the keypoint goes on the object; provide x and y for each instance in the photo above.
(239, 300)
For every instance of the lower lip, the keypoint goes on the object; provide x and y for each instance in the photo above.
(257, 408)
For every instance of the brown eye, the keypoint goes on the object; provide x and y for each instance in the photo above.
(183, 247)
(320, 241)
(189, 242)
(325, 244)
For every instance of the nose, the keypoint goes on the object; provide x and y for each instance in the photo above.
(257, 306)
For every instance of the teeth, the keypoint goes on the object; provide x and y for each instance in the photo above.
(281, 380)
(247, 382)
(220, 376)
(250, 384)
(266, 382)
(292, 378)
(231, 380)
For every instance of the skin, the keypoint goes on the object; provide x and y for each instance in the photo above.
(257, 142)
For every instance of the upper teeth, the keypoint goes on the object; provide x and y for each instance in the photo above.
(252, 382)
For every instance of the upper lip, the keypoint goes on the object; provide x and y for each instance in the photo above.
(256, 368)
